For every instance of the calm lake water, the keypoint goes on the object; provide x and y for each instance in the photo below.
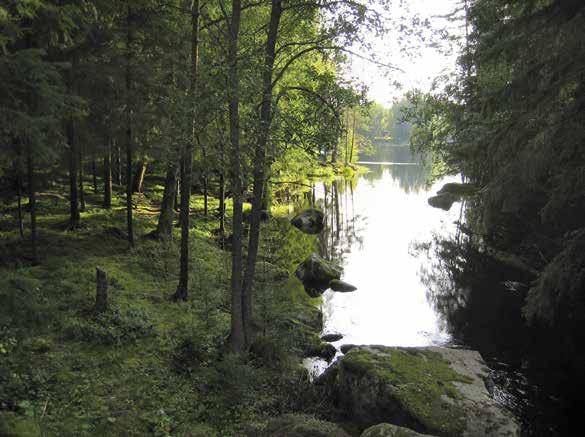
(381, 230)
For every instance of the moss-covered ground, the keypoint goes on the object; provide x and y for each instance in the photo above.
(148, 366)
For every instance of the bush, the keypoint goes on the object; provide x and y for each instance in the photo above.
(114, 326)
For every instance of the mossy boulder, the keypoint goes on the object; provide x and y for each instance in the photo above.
(458, 189)
(389, 430)
(316, 273)
(13, 425)
(443, 201)
(309, 221)
(300, 425)
(432, 390)
(323, 350)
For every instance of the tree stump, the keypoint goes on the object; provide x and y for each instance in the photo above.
(101, 291)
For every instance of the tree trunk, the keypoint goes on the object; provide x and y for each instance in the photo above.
(129, 121)
(187, 167)
(81, 192)
(237, 339)
(19, 196)
(139, 177)
(164, 229)
(352, 138)
(222, 203)
(260, 168)
(32, 199)
(205, 196)
(94, 175)
(118, 165)
(101, 291)
(177, 202)
(73, 199)
(108, 177)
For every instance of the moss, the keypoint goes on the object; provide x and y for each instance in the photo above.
(421, 381)
(299, 425)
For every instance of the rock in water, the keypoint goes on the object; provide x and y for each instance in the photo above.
(317, 270)
(432, 390)
(332, 337)
(458, 189)
(325, 351)
(309, 221)
(443, 201)
(389, 430)
(300, 425)
(340, 286)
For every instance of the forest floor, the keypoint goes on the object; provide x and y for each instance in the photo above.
(147, 366)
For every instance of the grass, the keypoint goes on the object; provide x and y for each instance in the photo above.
(148, 366)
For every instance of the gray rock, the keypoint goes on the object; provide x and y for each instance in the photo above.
(300, 425)
(324, 350)
(431, 390)
(331, 337)
(316, 273)
(389, 430)
(458, 189)
(341, 286)
(309, 221)
(443, 201)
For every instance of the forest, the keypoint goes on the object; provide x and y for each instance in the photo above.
(153, 153)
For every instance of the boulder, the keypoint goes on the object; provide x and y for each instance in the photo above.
(300, 425)
(318, 270)
(325, 351)
(458, 189)
(345, 348)
(431, 390)
(443, 201)
(332, 337)
(389, 430)
(309, 221)
(341, 286)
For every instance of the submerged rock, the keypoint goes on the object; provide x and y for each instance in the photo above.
(309, 221)
(431, 390)
(443, 201)
(341, 286)
(300, 425)
(317, 271)
(332, 337)
(458, 189)
(389, 430)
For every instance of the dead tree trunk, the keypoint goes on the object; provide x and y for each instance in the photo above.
(101, 291)
(139, 177)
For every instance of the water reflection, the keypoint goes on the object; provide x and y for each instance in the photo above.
(371, 223)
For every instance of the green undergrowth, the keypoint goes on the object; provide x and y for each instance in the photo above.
(148, 365)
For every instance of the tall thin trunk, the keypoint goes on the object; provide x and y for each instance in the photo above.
(118, 165)
(182, 291)
(237, 339)
(260, 167)
(94, 174)
(164, 228)
(81, 191)
(352, 138)
(205, 196)
(138, 180)
(32, 203)
(221, 203)
(20, 223)
(74, 216)
(129, 122)
(177, 202)
(108, 176)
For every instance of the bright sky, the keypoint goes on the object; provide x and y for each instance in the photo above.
(418, 71)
